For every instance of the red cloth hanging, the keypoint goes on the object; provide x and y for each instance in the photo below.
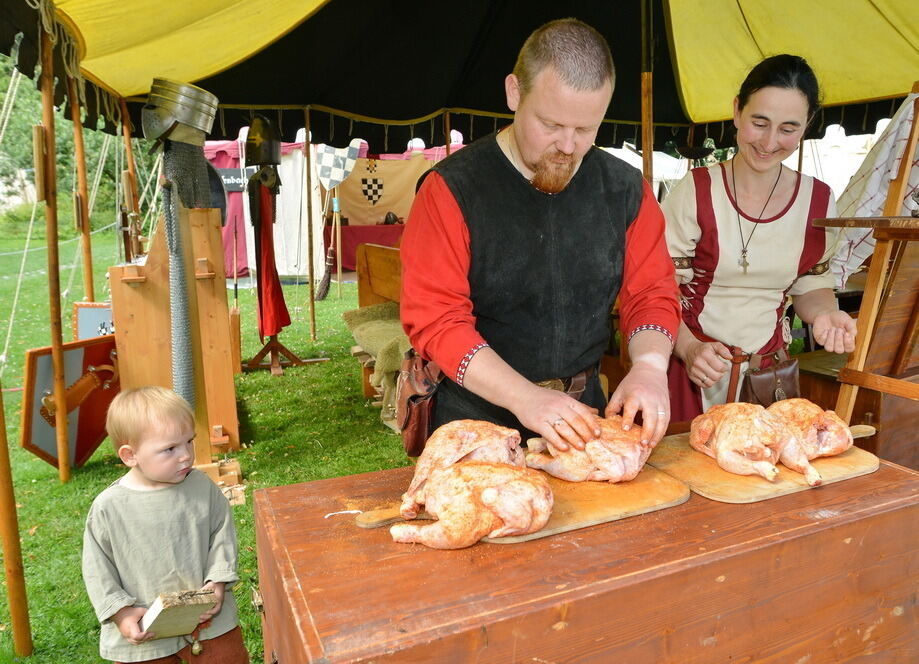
(272, 310)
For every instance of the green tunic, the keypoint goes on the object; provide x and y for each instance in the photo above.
(138, 544)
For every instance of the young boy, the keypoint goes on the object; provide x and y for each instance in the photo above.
(162, 527)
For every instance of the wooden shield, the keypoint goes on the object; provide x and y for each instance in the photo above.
(92, 383)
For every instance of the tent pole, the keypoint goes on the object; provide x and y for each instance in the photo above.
(336, 222)
(307, 155)
(54, 276)
(82, 202)
(12, 551)
(129, 156)
(447, 132)
(647, 89)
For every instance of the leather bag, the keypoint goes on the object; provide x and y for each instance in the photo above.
(776, 382)
(415, 388)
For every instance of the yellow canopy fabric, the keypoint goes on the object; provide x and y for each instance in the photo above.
(859, 50)
(125, 45)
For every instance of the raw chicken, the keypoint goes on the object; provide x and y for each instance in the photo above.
(744, 438)
(460, 440)
(475, 499)
(616, 456)
(816, 433)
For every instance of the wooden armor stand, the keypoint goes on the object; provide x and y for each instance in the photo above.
(140, 311)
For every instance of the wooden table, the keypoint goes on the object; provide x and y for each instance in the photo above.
(826, 575)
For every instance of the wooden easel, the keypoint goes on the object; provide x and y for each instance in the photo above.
(885, 358)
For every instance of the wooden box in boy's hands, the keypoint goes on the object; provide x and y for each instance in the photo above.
(177, 613)
(824, 575)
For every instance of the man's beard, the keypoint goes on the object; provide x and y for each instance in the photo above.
(550, 176)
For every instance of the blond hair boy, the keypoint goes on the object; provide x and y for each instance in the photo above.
(161, 527)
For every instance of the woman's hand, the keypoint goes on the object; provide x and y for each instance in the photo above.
(706, 362)
(835, 331)
(127, 619)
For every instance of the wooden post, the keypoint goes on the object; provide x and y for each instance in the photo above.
(54, 277)
(82, 204)
(129, 156)
(336, 222)
(12, 552)
(647, 95)
(308, 160)
(447, 139)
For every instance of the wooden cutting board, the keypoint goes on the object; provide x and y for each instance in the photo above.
(674, 456)
(578, 504)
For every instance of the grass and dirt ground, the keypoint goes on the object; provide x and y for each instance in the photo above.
(311, 423)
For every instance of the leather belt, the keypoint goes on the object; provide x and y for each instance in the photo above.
(573, 386)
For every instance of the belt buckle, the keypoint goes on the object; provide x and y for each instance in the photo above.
(553, 384)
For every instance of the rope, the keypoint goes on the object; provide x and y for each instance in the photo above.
(8, 102)
(22, 267)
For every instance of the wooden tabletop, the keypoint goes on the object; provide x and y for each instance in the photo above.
(909, 223)
(356, 595)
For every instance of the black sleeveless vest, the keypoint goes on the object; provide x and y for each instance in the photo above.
(545, 268)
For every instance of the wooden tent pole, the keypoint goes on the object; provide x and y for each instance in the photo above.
(129, 155)
(307, 155)
(447, 138)
(54, 277)
(12, 552)
(647, 95)
(82, 202)
(336, 222)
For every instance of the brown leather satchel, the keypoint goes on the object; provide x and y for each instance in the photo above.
(415, 390)
(776, 382)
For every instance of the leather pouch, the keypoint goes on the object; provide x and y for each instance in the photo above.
(778, 381)
(415, 389)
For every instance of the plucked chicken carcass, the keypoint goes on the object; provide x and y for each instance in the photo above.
(744, 438)
(460, 440)
(616, 456)
(476, 499)
(816, 433)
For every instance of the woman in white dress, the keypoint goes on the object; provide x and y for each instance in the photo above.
(742, 240)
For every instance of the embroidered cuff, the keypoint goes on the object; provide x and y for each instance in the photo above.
(467, 358)
(819, 268)
(681, 262)
(651, 326)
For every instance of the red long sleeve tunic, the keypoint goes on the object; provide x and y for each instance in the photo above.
(436, 309)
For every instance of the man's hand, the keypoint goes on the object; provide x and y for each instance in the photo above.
(835, 331)
(127, 619)
(558, 418)
(218, 589)
(644, 389)
(706, 361)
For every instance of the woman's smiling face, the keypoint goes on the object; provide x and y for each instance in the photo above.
(770, 126)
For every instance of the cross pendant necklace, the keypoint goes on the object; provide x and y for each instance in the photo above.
(744, 244)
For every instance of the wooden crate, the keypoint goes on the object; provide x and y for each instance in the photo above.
(825, 575)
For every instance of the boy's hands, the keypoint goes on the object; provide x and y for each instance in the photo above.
(218, 588)
(127, 618)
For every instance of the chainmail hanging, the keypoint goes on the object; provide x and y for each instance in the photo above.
(185, 173)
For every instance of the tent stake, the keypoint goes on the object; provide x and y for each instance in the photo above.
(54, 277)
(82, 203)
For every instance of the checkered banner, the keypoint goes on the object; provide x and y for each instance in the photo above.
(373, 189)
(334, 165)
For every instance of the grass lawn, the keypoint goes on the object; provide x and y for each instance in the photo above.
(311, 423)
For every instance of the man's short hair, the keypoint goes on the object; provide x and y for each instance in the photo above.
(575, 50)
(134, 412)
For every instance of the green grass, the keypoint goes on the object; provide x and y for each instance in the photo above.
(311, 423)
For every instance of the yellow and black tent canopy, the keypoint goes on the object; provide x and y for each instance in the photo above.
(386, 70)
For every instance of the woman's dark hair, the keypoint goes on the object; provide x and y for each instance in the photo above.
(782, 71)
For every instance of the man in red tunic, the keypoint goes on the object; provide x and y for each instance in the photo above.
(517, 246)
